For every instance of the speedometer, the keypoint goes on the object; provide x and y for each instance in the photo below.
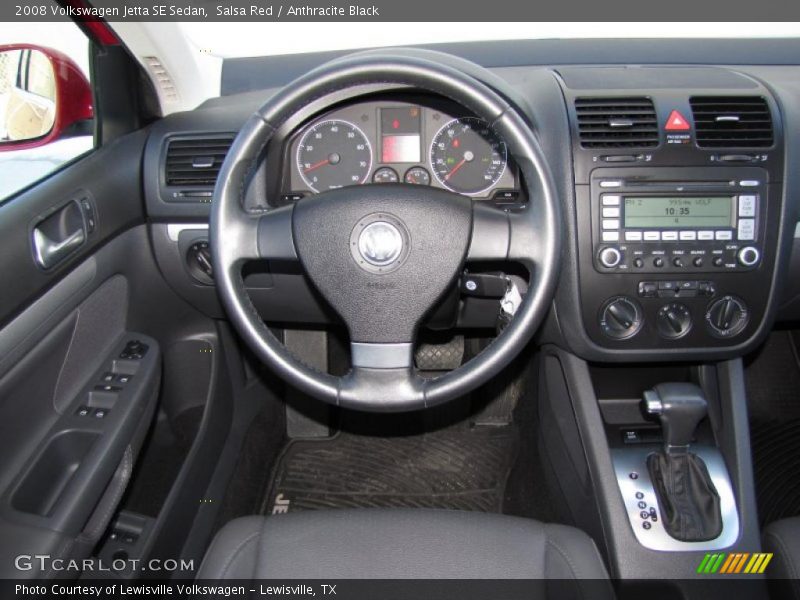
(467, 156)
(332, 154)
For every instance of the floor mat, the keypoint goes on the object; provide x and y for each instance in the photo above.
(776, 455)
(773, 391)
(456, 468)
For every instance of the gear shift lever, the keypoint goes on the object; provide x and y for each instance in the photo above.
(679, 407)
(686, 494)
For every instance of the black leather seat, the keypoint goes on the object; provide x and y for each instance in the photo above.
(782, 538)
(408, 543)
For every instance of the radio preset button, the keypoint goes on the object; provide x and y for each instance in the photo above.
(747, 206)
(723, 235)
(688, 235)
(609, 200)
(611, 236)
(669, 236)
(749, 183)
(633, 236)
(611, 212)
(610, 183)
(747, 229)
(610, 223)
(705, 235)
(652, 236)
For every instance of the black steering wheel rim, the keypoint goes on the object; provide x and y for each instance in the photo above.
(531, 237)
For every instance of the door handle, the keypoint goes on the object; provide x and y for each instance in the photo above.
(58, 235)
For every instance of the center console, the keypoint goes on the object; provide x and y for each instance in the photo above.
(676, 257)
(678, 204)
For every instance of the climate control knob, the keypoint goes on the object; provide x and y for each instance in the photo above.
(610, 257)
(748, 256)
(673, 320)
(727, 317)
(620, 317)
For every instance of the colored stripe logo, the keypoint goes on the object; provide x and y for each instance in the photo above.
(734, 562)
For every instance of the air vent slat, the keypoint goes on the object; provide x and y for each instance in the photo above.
(195, 161)
(732, 122)
(617, 122)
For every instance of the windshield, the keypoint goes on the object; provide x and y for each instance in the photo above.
(229, 40)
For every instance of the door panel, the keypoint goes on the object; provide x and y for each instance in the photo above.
(110, 177)
(78, 387)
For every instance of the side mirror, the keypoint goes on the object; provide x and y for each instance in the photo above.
(44, 96)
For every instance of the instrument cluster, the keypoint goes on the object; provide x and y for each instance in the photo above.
(385, 141)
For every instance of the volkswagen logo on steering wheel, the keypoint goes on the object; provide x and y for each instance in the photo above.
(379, 243)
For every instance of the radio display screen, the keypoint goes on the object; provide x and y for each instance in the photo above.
(679, 212)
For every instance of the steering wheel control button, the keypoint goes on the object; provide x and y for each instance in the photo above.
(379, 243)
(610, 257)
(748, 256)
(727, 317)
(620, 318)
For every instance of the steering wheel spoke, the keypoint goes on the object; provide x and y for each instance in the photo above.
(501, 236)
(275, 238)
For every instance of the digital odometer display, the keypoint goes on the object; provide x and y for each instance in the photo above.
(679, 212)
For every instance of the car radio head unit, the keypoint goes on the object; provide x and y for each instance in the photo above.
(651, 225)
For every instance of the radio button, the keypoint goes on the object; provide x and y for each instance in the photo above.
(611, 183)
(718, 261)
(611, 211)
(610, 257)
(610, 223)
(652, 236)
(724, 235)
(698, 261)
(744, 183)
(748, 256)
(747, 229)
(633, 236)
(688, 235)
(747, 206)
(658, 262)
(638, 262)
(678, 262)
(705, 235)
(611, 236)
(669, 236)
(609, 200)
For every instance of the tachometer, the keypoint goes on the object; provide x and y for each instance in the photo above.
(333, 154)
(467, 156)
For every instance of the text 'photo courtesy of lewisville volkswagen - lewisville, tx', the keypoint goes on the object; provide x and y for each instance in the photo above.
(400, 300)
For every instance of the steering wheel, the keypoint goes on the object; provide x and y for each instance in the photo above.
(383, 255)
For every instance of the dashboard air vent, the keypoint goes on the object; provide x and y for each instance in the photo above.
(732, 121)
(617, 122)
(195, 161)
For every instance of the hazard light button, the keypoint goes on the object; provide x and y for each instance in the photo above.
(677, 122)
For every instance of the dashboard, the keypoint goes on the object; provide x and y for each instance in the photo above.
(679, 237)
(390, 141)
